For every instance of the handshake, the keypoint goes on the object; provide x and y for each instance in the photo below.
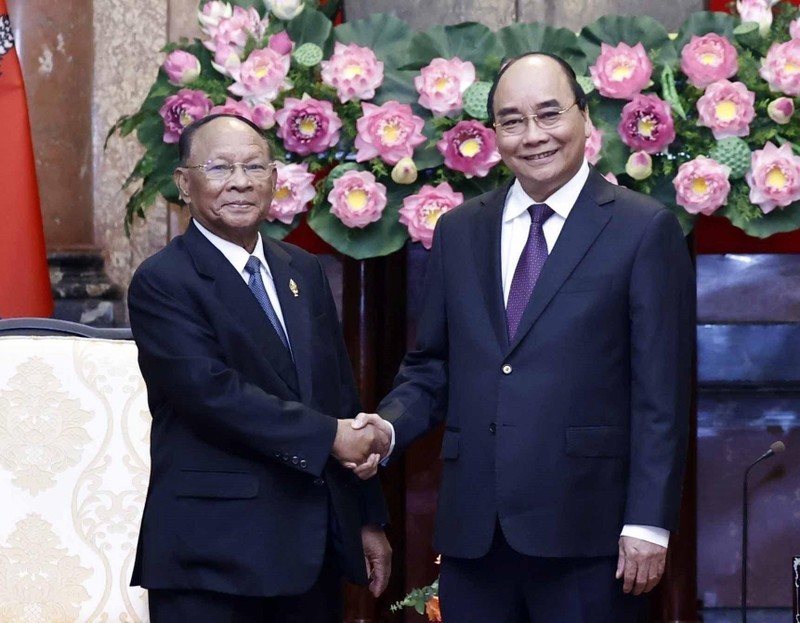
(362, 443)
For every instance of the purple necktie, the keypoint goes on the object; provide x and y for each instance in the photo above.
(528, 268)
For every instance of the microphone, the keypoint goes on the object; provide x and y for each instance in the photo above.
(776, 448)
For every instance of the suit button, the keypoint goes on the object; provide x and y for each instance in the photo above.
(277, 455)
(493, 428)
(285, 457)
(295, 460)
(303, 463)
(319, 482)
(507, 369)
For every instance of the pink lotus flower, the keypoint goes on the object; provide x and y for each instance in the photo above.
(235, 30)
(441, 85)
(610, 177)
(390, 132)
(758, 11)
(702, 186)
(308, 126)
(262, 76)
(212, 14)
(357, 199)
(647, 124)
(469, 147)
(421, 211)
(181, 67)
(226, 60)
(727, 108)
(794, 29)
(294, 188)
(181, 109)
(281, 43)
(781, 110)
(774, 177)
(264, 115)
(781, 67)
(707, 59)
(594, 145)
(639, 165)
(621, 72)
(354, 71)
(233, 107)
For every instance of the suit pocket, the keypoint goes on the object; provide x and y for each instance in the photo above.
(586, 284)
(450, 445)
(220, 485)
(598, 441)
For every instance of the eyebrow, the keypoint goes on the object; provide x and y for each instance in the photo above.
(510, 110)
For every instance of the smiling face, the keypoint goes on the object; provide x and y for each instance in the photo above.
(542, 160)
(233, 208)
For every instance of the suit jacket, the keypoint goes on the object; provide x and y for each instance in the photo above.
(579, 425)
(242, 488)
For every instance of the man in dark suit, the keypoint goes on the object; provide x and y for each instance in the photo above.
(555, 341)
(249, 515)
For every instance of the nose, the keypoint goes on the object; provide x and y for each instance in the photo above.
(238, 178)
(533, 133)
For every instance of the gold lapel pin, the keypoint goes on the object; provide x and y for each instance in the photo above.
(293, 287)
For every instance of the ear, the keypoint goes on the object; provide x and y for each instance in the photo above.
(181, 180)
(587, 124)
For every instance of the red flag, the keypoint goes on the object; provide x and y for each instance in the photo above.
(24, 278)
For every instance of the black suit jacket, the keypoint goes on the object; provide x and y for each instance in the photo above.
(579, 425)
(242, 488)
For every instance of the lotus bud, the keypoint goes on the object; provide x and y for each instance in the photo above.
(639, 165)
(781, 110)
(405, 171)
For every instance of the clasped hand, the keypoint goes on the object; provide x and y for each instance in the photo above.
(361, 443)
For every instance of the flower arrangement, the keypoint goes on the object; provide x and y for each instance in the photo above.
(380, 130)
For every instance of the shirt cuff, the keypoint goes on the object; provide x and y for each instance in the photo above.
(652, 534)
(385, 460)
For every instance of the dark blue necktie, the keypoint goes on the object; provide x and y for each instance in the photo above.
(256, 285)
(528, 268)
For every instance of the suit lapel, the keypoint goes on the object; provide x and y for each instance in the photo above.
(486, 247)
(295, 307)
(232, 291)
(585, 222)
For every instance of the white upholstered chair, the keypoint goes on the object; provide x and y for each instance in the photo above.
(74, 463)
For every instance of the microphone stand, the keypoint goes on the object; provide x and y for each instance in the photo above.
(774, 448)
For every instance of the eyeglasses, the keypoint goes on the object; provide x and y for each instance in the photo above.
(545, 119)
(219, 172)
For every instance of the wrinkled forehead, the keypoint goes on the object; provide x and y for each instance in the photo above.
(531, 83)
(226, 137)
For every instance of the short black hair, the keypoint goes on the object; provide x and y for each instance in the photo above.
(577, 90)
(187, 136)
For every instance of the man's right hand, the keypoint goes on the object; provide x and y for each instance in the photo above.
(359, 445)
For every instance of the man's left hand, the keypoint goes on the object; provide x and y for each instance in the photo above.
(640, 564)
(378, 556)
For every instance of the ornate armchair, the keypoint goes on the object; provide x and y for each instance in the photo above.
(74, 464)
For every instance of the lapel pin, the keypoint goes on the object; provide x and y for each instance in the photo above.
(293, 287)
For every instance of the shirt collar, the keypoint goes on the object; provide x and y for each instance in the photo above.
(561, 201)
(235, 254)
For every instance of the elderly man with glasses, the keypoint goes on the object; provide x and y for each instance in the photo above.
(555, 341)
(250, 516)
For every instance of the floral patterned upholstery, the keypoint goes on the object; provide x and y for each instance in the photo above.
(74, 464)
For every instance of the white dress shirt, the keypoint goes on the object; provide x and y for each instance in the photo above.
(238, 257)
(514, 235)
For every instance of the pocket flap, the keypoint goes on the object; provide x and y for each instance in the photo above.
(224, 485)
(598, 441)
(450, 445)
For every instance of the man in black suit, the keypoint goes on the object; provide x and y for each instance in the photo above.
(555, 341)
(249, 515)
